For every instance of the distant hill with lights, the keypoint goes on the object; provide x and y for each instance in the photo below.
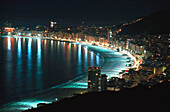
(156, 23)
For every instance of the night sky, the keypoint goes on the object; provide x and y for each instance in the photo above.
(71, 12)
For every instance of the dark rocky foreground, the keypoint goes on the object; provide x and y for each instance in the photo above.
(141, 98)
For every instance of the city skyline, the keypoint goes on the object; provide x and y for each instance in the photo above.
(32, 13)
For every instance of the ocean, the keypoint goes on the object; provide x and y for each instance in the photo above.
(38, 70)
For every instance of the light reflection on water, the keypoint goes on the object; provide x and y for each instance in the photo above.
(86, 58)
(9, 43)
(91, 59)
(19, 68)
(39, 69)
(50, 63)
(79, 59)
(34, 65)
(97, 60)
(8, 60)
(29, 64)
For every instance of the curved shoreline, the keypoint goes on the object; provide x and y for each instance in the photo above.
(53, 90)
(81, 77)
(76, 42)
(46, 91)
(102, 55)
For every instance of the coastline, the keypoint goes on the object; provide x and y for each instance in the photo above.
(63, 90)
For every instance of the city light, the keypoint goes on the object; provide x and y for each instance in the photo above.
(39, 35)
(9, 33)
(50, 53)
(9, 43)
(29, 34)
(52, 24)
(19, 33)
(29, 45)
(19, 48)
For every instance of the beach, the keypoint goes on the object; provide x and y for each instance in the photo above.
(113, 63)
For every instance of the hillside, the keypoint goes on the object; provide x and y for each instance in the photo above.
(156, 23)
(140, 98)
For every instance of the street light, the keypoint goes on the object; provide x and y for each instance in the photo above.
(39, 35)
(29, 34)
(19, 33)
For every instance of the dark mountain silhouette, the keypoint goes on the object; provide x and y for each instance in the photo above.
(141, 98)
(156, 23)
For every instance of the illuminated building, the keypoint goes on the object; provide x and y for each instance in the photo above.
(8, 29)
(52, 24)
(93, 78)
(109, 35)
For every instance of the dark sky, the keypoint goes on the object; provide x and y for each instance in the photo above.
(72, 12)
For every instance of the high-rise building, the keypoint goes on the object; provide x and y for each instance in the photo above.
(109, 35)
(93, 78)
(103, 82)
(52, 24)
